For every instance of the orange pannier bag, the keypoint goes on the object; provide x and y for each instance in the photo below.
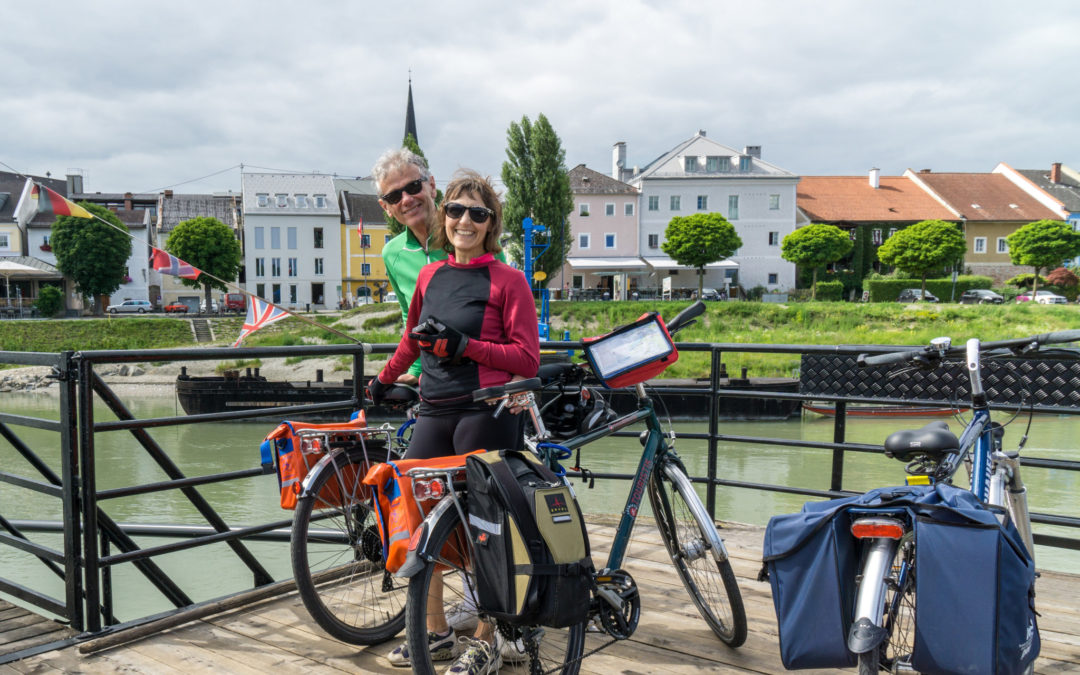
(295, 456)
(398, 514)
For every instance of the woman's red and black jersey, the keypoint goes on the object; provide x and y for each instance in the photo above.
(490, 302)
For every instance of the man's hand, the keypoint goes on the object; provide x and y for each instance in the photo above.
(435, 337)
(376, 390)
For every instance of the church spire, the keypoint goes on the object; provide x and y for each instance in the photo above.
(410, 116)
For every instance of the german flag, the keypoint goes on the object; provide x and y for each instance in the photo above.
(52, 202)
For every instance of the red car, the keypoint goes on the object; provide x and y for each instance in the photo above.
(176, 308)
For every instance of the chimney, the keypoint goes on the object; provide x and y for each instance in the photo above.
(1055, 172)
(618, 160)
(753, 150)
(168, 194)
(127, 201)
(74, 184)
(875, 178)
(701, 132)
(924, 170)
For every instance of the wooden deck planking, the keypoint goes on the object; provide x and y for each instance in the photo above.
(278, 635)
(21, 629)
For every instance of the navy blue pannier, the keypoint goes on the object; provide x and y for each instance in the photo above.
(974, 582)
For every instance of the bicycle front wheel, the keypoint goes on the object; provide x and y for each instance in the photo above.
(898, 615)
(547, 650)
(694, 549)
(337, 559)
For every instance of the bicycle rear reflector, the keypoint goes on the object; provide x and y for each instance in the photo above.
(867, 528)
(632, 353)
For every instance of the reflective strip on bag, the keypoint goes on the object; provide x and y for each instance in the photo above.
(485, 525)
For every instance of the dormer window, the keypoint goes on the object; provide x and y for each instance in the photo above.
(690, 163)
(301, 201)
(262, 199)
(282, 200)
(320, 201)
(744, 163)
(716, 164)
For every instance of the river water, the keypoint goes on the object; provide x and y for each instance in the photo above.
(210, 448)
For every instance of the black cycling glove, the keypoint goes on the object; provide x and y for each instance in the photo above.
(435, 337)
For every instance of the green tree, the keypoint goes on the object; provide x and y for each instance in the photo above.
(1043, 244)
(50, 301)
(815, 245)
(537, 187)
(92, 253)
(923, 248)
(211, 246)
(700, 239)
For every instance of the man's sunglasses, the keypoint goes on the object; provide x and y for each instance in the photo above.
(477, 214)
(413, 188)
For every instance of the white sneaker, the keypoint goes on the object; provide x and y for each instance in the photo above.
(477, 658)
(442, 648)
(462, 617)
(512, 652)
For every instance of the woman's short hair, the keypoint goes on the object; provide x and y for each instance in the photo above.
(395, 159)
(467, 181)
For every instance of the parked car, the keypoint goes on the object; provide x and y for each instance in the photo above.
(176, 308)
(213, 306)
(706, 294)
(390, 297)
(916, 294)
(981, 296)
(235, 302)
(131, 307)
(1043, 298)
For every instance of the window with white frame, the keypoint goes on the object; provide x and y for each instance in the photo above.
(301, 201)
(1002, 245)
(292, 267)
(260, 237)
(628, 209)
(365, 241)
(583, 240)
(318, 265)
(690, 163)
(320, 201)
(744, 163)
(260, 290)
(609, 209)
(577, 281)
(609, 240)
(892, 231)
(654, 203)
(260, 269)
(290, 237)
(583, 209)
(262, 199)
(733, 207)
(317, 235)
(654, 241)
(275, 237)
(292, 293)
(676, 202)
(5, 240)
(275, 267)
(774, 239)
(703, 202)
(980, 245)
(713, 163)
(774, 202)
(365, 269)
(386, 238)
(282, 200)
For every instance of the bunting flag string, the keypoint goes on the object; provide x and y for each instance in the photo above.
(259, 314)
(167, 263)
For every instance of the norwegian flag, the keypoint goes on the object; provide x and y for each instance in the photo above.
(167, 263)
(260, 313)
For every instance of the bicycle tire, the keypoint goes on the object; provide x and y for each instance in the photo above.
(337, 562)
(898, 614)
(710, 582)
(559, 651)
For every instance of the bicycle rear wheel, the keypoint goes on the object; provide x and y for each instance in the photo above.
(556, 649)
(337, 559)
(694, 549)
(898, 614)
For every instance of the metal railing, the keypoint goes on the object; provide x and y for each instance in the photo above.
(93, 543)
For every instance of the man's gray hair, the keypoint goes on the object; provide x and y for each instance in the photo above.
(398, 158)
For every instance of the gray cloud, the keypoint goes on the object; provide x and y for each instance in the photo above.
(145, 95)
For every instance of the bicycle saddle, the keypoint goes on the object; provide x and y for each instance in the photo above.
(934, 440)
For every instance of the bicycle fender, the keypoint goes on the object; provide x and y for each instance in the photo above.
(418, 556)
(309, 479)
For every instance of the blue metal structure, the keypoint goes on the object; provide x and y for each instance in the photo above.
(530, 229)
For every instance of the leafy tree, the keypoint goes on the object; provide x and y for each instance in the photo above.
(1063, 278)
(92, 253)
(50, 301)
(700, 239)
(815, 245)
(923, 248)
(1043, 244)
(538, 186)
(210, 245)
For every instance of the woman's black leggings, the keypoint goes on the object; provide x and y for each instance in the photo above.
(456, 434)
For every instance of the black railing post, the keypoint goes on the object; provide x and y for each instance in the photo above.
(69, 482)
(88, 496)
(358, 378)
(839, 431)
(714, 429)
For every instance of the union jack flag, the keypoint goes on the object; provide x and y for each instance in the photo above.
(167, 263)
(260, 313)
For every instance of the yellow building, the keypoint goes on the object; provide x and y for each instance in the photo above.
(362, 270)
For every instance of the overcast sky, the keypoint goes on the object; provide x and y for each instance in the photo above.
(147, 95)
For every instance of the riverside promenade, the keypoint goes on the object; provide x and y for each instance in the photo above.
(277, 634)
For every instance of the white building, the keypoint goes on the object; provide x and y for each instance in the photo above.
(701, 175)
(292, 242)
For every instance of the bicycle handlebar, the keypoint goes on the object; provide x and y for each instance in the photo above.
(887, 359)
(686, 317)
(1014, 344)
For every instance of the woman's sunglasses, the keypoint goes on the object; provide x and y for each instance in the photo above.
(413, 188)
(477, 214)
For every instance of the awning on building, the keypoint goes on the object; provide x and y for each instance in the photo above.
(609, 264)
(666, 263)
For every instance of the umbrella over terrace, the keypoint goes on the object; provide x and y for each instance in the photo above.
(25, 267)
